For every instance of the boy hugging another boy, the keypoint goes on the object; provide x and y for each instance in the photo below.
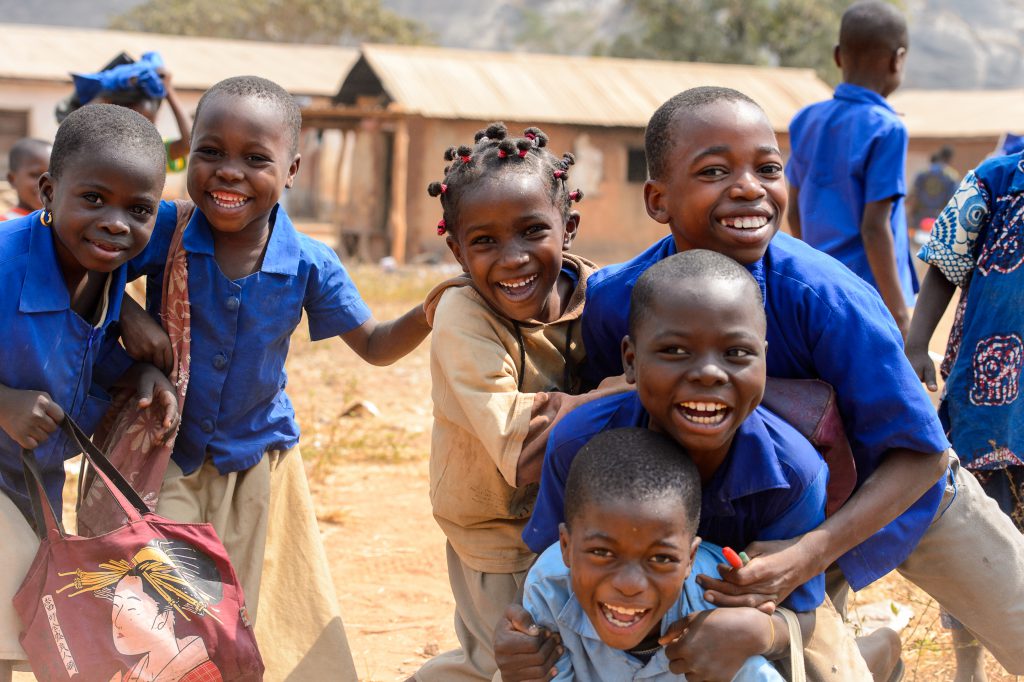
(621, 573)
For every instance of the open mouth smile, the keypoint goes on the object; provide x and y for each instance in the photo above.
(621, 616)
(229, 200)
(704, 413)
(751, 222)
(519, 288)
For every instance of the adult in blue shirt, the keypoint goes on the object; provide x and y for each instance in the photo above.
(847, 168)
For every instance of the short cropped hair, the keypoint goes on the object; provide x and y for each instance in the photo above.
(26, 149)
(693, 264)
(659, 137)
(109, 127)
(638, 465)
(872, 26)
(259, 88)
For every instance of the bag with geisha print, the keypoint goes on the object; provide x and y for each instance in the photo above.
(128, 434)
(154, 600)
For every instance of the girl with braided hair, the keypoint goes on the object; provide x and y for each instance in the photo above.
(505, 353)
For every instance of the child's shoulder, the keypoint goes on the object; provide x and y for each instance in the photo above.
(620, 277)
(1002, 173)
(15, 238)
(615, 411)
(800, 461)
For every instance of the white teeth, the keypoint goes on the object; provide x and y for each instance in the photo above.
(517, 285)
(228, 200)
(624, 611)
(714, 413)
(609, 613)
(704, 407)
(745, 222)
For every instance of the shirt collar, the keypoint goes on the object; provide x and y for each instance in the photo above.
(282, 254)
(574, 618)
(855, 93)
(45, 291)
(751, 466)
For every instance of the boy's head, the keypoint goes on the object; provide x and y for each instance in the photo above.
(102, 191)
(245, 140)
(872, 49)
(696, 350)
(508, 218)
(29, 158)
(715, 173)
(632, 505)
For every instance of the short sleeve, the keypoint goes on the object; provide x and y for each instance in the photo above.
(884, 174)
(543, 598)
(332, 301)
(951, 247)
(549, 509)
(796, 167)
(153, 258)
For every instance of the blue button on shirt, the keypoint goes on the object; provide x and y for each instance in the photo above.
(48, 347)
(236, 408)
(771, 486)
(823, 323)
(549, 598)
(847, 152)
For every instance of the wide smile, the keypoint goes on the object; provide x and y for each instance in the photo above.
(228, 200)
(705, 415)
(750, 228)
(623, 619)
(519, 288)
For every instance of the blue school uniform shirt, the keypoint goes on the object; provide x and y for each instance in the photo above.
(48, 347)
(978, 244)
(771, 485)
(236, 408)
(824, 323)
(548, 596)
(847, 152)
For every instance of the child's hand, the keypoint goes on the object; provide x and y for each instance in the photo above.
(713, 645)
(143, 338)
(28, 417)
(924, 366)
(776, 568)
(524, 651)
(156, 393)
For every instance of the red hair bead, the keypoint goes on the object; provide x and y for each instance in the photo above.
(441, 227)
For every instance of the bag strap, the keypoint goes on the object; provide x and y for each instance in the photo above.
(45, 517)
(796, 646)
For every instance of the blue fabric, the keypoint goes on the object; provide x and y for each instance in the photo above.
(771, 486)
(236, 408)
(142, 75)
(823, 323)
(978, 244)
(549, 598)
(847, 152)
(48, 347)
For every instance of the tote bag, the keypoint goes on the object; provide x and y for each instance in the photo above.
(151, 600)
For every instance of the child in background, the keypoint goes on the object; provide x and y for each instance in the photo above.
(847, 172)
(504, 354)
(619, 577)
(61, 289)
(976, 245)
(251, 275)
(28, 160)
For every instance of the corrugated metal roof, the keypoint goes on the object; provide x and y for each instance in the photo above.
(463, 84)
(49, 52)
(960, 113)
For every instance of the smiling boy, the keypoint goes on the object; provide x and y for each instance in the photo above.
(620, 574)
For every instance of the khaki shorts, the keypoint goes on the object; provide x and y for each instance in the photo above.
(19, 549)
(265, 518)
(480, 601)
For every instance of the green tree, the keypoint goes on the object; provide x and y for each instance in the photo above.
(289, 21)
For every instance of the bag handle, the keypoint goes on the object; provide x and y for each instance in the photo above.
(124, 495)
(796, 646)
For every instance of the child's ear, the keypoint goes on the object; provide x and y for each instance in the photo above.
(453, 246)
(693, 554)
(46, 189)
(10, 178)
(563, 542)
(572, 227)
(292, 170)
(654, 201)
(837, 57)
(628, 358)
(899, 58)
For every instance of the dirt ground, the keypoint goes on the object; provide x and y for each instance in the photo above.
(369, 480)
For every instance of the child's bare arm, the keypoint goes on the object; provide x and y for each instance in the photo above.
(143, 338)
(936, 292)
(880, 249)
(178, 148)
(28, 417)
(382, 343)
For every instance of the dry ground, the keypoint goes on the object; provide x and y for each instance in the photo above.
(369, 479)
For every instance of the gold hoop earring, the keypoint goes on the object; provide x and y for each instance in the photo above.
(46, 218)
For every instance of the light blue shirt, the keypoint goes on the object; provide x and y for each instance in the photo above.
(549, 598)
(236, 408)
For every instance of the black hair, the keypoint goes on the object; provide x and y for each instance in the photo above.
(111, 128)
(634, 464)
(493, 152)
(945, 154)
(659, 137)
(872, 26)
(693, 264)
(26, 149)
(259, 88)
(200, 581)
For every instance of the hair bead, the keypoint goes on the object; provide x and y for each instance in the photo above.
(576, 195)
(441, 227)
